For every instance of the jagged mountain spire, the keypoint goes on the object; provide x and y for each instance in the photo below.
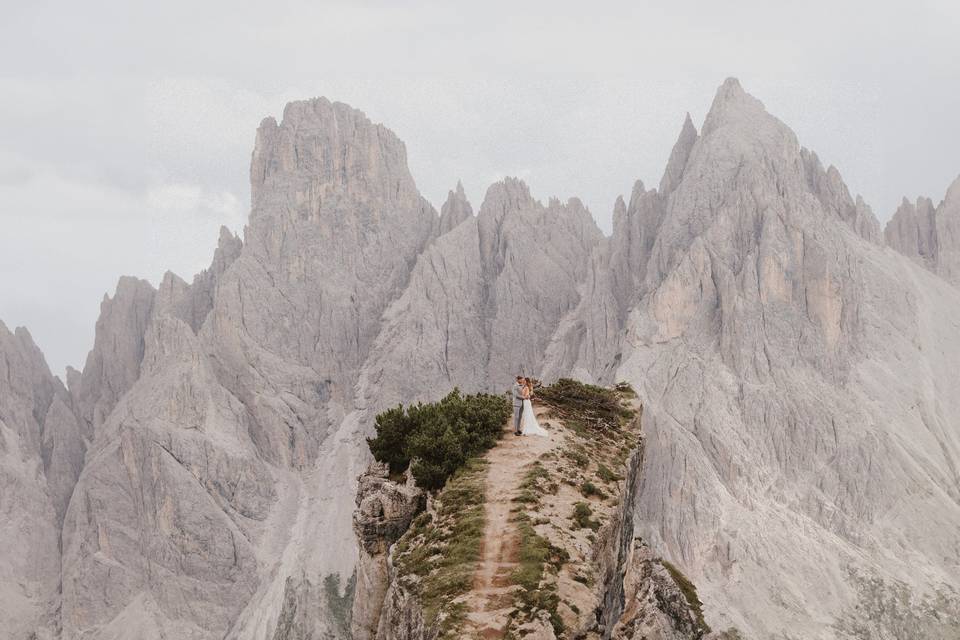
(455, 210)
(929, 235)
(678, 156)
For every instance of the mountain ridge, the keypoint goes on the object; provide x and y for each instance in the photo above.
(783, 353)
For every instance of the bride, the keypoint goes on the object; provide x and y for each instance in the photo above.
(529, 424)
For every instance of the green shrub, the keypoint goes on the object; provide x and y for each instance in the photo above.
(605, 474)
(438, 438)
(578, 455)
(581, 517)
(589, 405)
(589, 489)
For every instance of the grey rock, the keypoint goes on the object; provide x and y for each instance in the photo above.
(384, 512)
(913, 232)
(655, 607)
(402, 614)
(41, 453)
(210, 479)
(483, 299)
(455, 210)
(113, 366)
(928, 235)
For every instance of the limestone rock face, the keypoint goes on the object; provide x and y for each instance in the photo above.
(483, 299)
(929, 235)
(912, 231)
(113, 365)
(384, 512)
(455, 210)
(41, 454)
(655, 607)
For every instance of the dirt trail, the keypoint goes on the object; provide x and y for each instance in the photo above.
(490, 602)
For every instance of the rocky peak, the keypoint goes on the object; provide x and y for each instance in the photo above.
(113, 365)
(912, 231)
(619, 211)
(322, 148)
(506, 196)
(948, 234)
(733, 106)
(929, 235)
(678, 157)
(455, 210)
(508, 204)
(829, 188)
(26, 385)
(952, 199)
(228, 248)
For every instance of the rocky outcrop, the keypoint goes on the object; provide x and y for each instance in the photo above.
(41, 454)
(590, 586)
(655, 604)
(384, 512)
(913, 232)
(641, 598)
(829, 188)
(113, 366)
(402, 615)
(929, 235)
(455, 210)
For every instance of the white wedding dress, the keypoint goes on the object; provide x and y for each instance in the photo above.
(529, 424)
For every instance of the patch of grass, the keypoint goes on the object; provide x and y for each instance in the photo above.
(605, 474)
(536, 556)
(578, 427)
(588, 489)
(534, 484)
(582, 519)
(689, 592)
(578, 455)
(443, 550)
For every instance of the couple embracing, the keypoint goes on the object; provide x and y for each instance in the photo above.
(524, 420)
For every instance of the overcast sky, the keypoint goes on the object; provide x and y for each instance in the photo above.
(126, 131)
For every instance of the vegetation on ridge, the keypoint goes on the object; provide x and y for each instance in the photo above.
(689, 592)
(536, 556)
(442, 550)
(586, 405)
(437, 438)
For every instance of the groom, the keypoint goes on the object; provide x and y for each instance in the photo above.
(517, 391)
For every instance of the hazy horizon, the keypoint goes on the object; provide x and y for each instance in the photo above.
(127, 131)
